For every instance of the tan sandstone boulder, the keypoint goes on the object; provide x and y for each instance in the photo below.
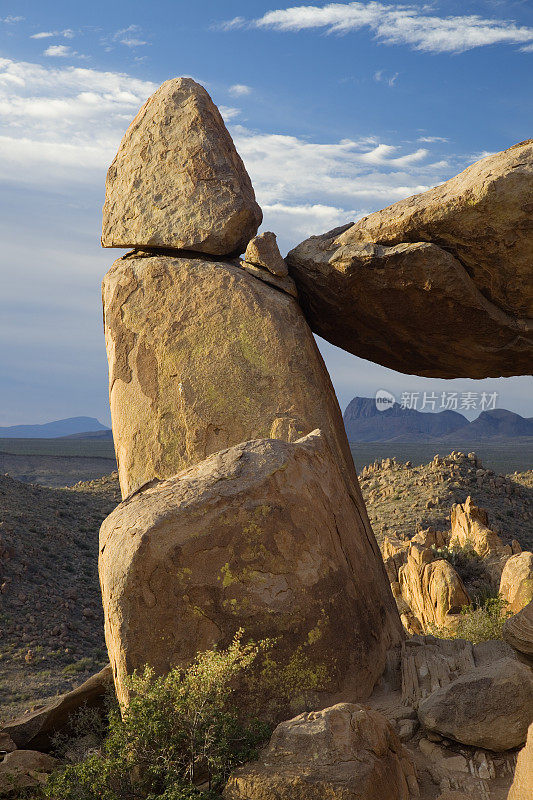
(518, 631)
(262, 536)
(470, 528)
(438, 284)
(346, 752)
(24, 769)
(490, 707)
(263, 251)
(516, 585)
(203, 355)
(522, 787)
(177, 180)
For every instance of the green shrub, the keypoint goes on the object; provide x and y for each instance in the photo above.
(477, 624)
(178, 731)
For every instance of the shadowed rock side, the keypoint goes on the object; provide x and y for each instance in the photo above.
(261, 536)
(436, 285)
(203, 355)
(177, 180)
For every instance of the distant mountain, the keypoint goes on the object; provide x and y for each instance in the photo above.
(500, 424)
(365, 423)
(106, 434)
(52, 430)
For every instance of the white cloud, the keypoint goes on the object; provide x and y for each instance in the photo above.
(67, 33)
(396, 24)
(59, 51)
(130, 36)
(61, 126)
(432, 139)
(10, 20)
(63, 123)
(240, 90)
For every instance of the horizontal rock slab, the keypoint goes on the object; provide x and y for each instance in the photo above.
(262, 536)
(21, 770)
(177, 180)
(204, 355)
(490, 707)
(346, 752)
(35, 730)
(437, 285)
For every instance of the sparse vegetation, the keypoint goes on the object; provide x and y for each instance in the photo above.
(180, 731)
(477, 623)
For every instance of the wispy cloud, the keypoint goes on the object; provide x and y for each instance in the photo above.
(432, 139)
(10, 20)
(409, 25)
(130, 36)
(67, 33)
(382, 77)
(240, 90)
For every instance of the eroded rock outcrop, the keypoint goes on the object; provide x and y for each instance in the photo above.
(347, 752)
(522, 786)
(436, 285)
(177, 180)
(262, 536)
(516, 585)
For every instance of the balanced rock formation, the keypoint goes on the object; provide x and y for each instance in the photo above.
(489, 707)
(516, 585)
(177, 180)
(262, 536)
(204, 355)
(346, 752)
(518, 631)
(436, 285)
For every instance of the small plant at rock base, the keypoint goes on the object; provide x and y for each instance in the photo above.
(179, 730)
(477, 624)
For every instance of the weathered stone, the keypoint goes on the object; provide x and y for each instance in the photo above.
(346, 752)
(428, 663)
(516, 585)
(263, 536)
(438, 284)
(263, 251)
(470, 528)
(522, 786)
(177, 180)
(24, 769)
(36, 730)
(518, 630)
(431, 588)
(7, 745)
(490, 707)
(202, 356)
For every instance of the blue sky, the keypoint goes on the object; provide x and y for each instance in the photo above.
(338, 109)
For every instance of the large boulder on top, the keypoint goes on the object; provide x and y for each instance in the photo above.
(346, 752)
(204, 355)
(263, 536)
(177, 180)
(438, 284)
(490, 707)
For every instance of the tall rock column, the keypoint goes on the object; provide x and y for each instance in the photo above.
(209, 352)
